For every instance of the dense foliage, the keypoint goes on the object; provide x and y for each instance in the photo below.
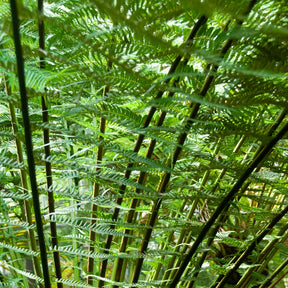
(143, 143)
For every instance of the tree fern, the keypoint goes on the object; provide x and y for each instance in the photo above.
(164, 156)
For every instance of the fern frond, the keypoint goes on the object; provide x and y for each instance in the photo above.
(14, 195)
(73, 283)
(19, 249)
(37, 79)
(26, 274)
(15, 223)
(84, 225)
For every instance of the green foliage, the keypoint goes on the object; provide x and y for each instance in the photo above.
(166, 128)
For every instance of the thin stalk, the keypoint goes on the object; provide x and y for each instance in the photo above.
(77, 263)
(170, 271)
(138, 144)
(186, 239)
(47, 152)
(239, 260)
(96, 189)
(28, 141)
(145, 241)
(173, 262)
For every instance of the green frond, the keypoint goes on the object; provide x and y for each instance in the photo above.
(37, 79)
(10, 163)
(26, 274)
(283, 250)
(73, 283)
(76, 195)
(81, 252)
(15, 223)
(19, 249)
(102, 229)
(124, 284)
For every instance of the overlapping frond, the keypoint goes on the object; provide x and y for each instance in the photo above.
(166, 124)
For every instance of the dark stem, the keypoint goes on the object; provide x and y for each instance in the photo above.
(46, 139)
(28, 142)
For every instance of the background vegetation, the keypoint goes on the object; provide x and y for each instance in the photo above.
(143, 143)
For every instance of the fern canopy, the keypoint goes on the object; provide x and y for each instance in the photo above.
(143, 143)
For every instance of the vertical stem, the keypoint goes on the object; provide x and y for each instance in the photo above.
(28, 141)
(77, 258)
(46, 138)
